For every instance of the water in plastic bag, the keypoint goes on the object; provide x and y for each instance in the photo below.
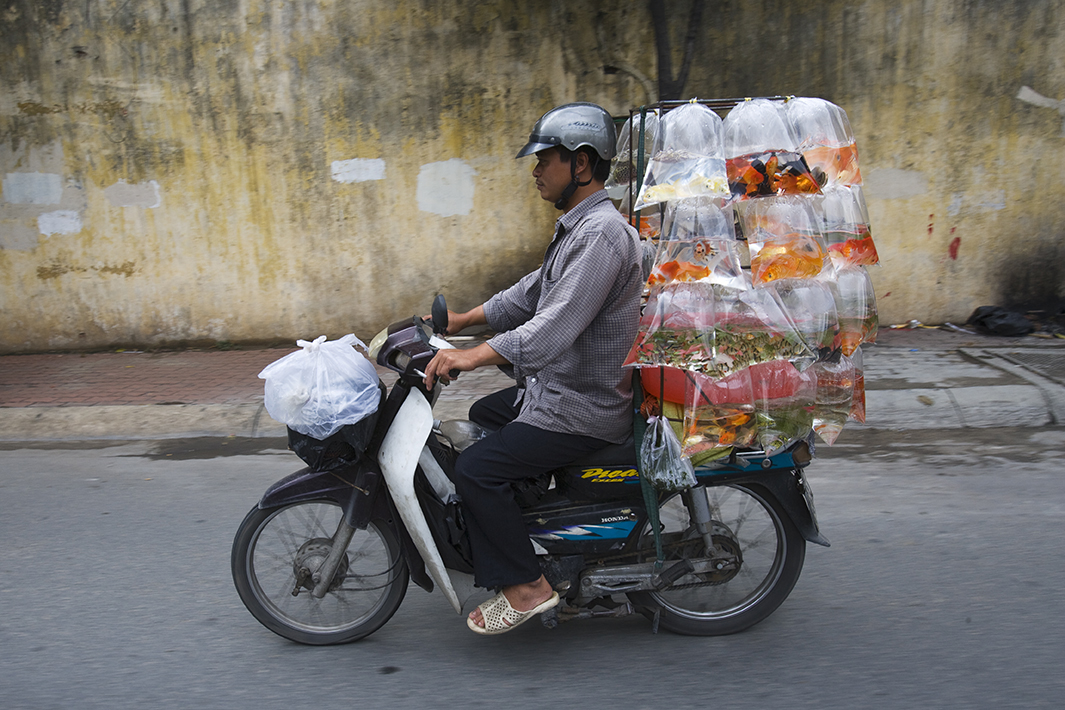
(762, 153)
(825, 139)
(835, 393)
(855, 306)
(321, 387)
(845, 224)
(687, 158)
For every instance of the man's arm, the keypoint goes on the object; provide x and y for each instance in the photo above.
(445, 361)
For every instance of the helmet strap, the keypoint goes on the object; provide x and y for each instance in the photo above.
(574, 183)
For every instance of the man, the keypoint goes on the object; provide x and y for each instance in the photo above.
(565, 329)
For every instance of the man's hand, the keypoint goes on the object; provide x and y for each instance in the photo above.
(447, 361)
(457, 322)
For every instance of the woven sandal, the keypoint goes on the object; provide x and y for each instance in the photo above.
(500, 617)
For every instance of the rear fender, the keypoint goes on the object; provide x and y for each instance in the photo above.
(789, 487)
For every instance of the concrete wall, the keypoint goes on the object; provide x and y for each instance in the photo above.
(234, 171)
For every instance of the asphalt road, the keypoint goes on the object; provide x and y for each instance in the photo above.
(942, 589)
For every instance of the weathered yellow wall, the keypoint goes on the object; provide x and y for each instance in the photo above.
(169, 167)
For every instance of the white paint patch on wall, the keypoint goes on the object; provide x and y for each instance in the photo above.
(991, 202)
(446, 188)
(59, 222)
(33, 188)
(894, 184)
(358, 170)
(144, 194)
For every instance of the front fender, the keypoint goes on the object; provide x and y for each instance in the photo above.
(353, 486)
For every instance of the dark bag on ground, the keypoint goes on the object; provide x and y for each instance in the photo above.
(995, 320)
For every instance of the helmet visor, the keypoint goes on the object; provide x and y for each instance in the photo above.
(537, 143)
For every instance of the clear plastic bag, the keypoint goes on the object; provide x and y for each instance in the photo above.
(751, 327)
(784, 237)
(762, 153)
(812, 309)
(845, 224)
(661, 462)
(624, 165)
(321, 387)
(676, 328)
(784, 399)
(858, 400)
(687, 158)
(825, 139)
(855, 306)
(835, 393)
(718, 415)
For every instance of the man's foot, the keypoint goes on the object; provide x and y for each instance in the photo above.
(522, 597)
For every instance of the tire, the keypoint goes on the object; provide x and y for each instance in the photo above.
(749, 523)
(272, 544)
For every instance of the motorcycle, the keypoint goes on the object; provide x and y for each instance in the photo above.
(326, 555)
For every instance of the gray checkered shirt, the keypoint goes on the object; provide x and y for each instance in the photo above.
(567, 327)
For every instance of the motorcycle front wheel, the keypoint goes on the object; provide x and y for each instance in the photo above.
(750, 525)
(276, 549)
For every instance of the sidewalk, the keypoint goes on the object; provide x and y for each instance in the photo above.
(915, 379)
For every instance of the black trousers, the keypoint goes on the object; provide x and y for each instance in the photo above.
(502, 552)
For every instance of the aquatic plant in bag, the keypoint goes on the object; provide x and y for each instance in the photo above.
(321, 387)
(762, 157)
(718, 415)
(687, 158)
(811, 307)
(676, 327)
(751, 327)
(825, 140)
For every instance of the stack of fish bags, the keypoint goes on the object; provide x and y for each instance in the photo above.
(759, 300)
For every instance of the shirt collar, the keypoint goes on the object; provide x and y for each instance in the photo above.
(569, 220)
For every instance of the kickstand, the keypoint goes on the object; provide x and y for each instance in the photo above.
(654, 621)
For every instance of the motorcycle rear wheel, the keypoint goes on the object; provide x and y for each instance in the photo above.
(272, 545)
(748, 522)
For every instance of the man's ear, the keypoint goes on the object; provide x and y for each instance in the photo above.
(583, 161)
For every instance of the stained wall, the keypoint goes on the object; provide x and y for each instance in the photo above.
(191, 171)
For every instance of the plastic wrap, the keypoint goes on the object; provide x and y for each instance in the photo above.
(825, 139)
(762, 153)
(687, 159)
(845, 224)
(321, 387)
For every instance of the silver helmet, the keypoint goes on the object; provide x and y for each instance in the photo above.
(571, 126)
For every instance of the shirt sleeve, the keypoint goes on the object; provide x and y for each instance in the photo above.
(584, 274)
(515, 305)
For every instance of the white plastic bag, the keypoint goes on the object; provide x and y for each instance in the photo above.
(322, 387)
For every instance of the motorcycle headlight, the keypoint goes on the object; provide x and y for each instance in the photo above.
(377, 343)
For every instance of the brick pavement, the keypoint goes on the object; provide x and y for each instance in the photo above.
(134, 378)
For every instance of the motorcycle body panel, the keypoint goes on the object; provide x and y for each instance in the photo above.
(398, 456)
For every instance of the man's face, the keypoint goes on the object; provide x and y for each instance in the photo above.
(552, 175)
